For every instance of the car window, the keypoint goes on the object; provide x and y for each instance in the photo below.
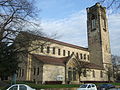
(14, 88)
(93, 85)
(89, 86)
(83, 86)
(22, 87)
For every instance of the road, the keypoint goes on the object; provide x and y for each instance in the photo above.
(115, 89)
(73, 89)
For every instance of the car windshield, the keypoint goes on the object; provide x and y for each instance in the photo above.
(83, 86)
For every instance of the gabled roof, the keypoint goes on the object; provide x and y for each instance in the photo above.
(86, 63)
(92, 65)
(50, 60)
(53, 41)
(62, 61)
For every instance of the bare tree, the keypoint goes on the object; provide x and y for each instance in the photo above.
(109, 72)
(114, 5)
(116, 67)
(14, 16)
(16, 21)
(81, 66)
(17, 24)
(116, 70)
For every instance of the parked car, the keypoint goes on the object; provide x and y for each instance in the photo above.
(20, 87)
(106, 86)
(87, 87)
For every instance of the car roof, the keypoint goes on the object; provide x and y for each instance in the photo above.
(88, 84)
(19, 84)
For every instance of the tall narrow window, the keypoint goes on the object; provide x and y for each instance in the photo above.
(38, 71)
(93, 20)
(42, 48)
(81, 56)
(85, 56)
(101, 74)
(68, 53)
(53, 50)
(93, 73)
(34, 72)
(93, 24)
(72, 52)
(74, 74)
(88, 57)
(104, 24)
(70, 75)
(63, 52)
(58, 51)
(48, 49)
(106, 48)
(77, 54)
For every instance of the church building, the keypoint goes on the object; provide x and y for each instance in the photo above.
(54, 63)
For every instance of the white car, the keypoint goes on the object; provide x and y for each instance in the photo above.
(20, 87)
(87, 87)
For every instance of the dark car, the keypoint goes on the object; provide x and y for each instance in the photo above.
(105, 86)
(5, 87)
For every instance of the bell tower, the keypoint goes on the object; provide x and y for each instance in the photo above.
(98, 35)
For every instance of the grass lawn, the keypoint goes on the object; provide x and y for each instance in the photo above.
(42, 86)
(55, 86)
(65, 85)
(39, 86)
(116, 84)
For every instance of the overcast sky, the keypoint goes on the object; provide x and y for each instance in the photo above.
(67, 19)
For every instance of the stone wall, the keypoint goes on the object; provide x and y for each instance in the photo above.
(51, 72)
(36, 71)
(62, 47)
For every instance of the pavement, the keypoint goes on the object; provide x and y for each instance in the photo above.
(115, 89)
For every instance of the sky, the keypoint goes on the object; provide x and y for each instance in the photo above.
(67, 20)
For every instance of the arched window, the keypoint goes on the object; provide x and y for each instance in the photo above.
(34, 72)
(70, 75)
(53, 50)
(63, 52)
(74, 74)
(81, 56)
(42, 48)
(93, 20)
(38, 71)
(93, 73)
(58, 51)
(104, 24)
(68, 53)
(101, 74)
(77, 54)
(85, 56)
(48, 49)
